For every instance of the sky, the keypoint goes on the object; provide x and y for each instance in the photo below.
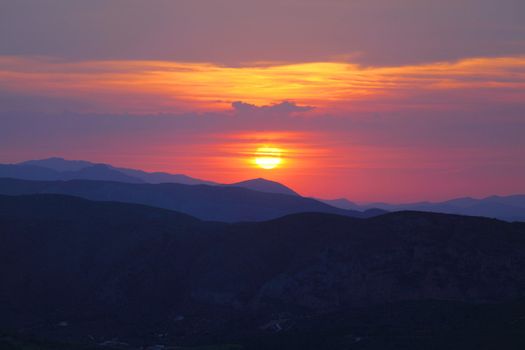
(376, 100)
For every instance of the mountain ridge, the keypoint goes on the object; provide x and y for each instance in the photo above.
(134, 175)
(62, 169)
(508, 208)
(264, 185)
(207, 202)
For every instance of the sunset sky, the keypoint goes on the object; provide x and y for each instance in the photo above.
(372, 100)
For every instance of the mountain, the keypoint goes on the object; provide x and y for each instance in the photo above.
(216, 203)
(99, 172)
(158, 177)
(56, 168)
(92, 172)
(509, 208)
(28, 172)
(264, 185)
(79, 169)
(342, 203)
(101, 272)
(59, 164)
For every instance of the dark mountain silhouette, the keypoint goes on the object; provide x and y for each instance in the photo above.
(217, 203)
(264, 185)
(509, 208)
(73, 268)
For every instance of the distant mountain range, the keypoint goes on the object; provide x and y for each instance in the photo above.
(52, 169)
(61, 169)
(509, 208)
(206, 202)
(99, 272)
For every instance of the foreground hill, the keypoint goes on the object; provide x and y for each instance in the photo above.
(72, 268)
(216, 203)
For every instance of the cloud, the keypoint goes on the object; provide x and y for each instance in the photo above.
(146, 87)
(282, 108)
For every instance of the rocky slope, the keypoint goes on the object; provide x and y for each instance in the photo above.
(73, 268)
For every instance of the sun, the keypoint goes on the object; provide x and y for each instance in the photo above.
(268, 157)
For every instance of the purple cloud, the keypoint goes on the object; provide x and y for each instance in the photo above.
(283, 108)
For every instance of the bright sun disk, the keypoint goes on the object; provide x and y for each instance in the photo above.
(268, 157)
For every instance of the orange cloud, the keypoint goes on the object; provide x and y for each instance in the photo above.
(157, 86)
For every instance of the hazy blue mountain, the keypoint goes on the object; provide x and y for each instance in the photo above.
(509, 208)
(220, 203)
(99, 172)
(61, 169)
(93, 271)
(91, 172)
(159, 177)
(264, 185)
(515, 200)
(342, 203)
(28, 172)
(76, 169)
(80, 169)
(59, 164)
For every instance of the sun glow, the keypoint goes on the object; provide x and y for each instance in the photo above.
(268, 157)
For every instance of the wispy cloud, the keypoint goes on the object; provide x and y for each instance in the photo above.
(155, 86)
